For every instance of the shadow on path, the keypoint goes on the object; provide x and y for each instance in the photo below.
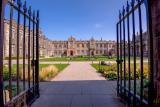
(87, 93)
(79, 85)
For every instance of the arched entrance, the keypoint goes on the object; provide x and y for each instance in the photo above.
(92, 53)
(65, 53)
(71, 53)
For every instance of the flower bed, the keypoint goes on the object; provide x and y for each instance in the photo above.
(110, 71)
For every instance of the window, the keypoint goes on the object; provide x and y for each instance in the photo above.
(83, 45)
(78, 45)
(55, 46)
(96, 52)
(97, 45)
(101, 45)
(64, 46)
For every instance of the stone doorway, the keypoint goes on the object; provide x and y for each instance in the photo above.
(65, 53)
(71, 53)
(92, 53)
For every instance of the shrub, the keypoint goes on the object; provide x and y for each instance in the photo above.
(26, 74)
(48, 72)
(45, 73)
(113, 68)
(110, 75)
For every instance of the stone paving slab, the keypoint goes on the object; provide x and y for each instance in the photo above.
(79, 85)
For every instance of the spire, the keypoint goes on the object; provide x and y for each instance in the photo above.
(71, 38)
(101, 39)
(92, 38)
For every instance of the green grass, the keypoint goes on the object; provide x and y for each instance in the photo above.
(85, 58)
(60, 67)
(81, 58)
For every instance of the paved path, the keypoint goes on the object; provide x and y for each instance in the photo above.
(79, 85)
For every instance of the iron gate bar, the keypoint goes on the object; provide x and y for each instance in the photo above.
(132, 9)
(124, 55)
(151, 75)
(18, 31)
(129, 69)
(133, 97)
(33, 60)
(24, 44)
(21, 11)
(118, 60)
(120, 54)
(10, 51)
(37, 55)
(141, 56)
(2, 5)
(29, 36)
(134, 54)
(29, 94)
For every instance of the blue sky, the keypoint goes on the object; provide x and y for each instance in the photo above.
(80, 18)
(83, 19)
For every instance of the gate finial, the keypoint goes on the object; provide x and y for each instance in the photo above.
(132, 3)
(120, 14)
(37, 15)
(25, 7)
(19, 3)
(29, 11)
(123, 11)
(127, 8)
(33, 14)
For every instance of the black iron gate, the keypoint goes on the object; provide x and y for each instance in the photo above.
(132, 84)
(19, 56)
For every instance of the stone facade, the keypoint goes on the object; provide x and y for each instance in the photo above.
(73, 47)
(70, 47)
(14, 39)
(138, 46)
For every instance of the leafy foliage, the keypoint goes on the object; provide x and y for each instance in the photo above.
(110, 72)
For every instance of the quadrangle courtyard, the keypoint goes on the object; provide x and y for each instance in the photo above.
(79, 85)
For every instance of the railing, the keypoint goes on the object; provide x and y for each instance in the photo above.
(129, 87)
(22, 87)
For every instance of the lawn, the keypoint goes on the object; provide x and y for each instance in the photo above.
(58, 67)
(85, 58)
(80, 58)
(47, 72)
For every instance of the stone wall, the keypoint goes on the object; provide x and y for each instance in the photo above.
(155, 6)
